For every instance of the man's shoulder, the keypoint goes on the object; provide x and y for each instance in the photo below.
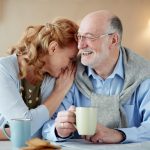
(136, 62)
(145, 84)
(134, 57)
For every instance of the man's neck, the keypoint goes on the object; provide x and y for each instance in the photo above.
(106, 68)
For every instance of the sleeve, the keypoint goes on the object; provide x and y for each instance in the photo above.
(140, 131)
(2, 121)
(48, 131)
(47, 87)
(13, 106)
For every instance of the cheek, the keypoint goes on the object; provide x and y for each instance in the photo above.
(61, 63)
(65, 63)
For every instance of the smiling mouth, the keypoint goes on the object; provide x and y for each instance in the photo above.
(86, 53)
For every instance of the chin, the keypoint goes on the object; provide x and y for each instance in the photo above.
(56, 75)
(53, 75)
(85, 62)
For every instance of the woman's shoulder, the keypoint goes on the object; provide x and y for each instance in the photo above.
(9, 65)
(8, 59)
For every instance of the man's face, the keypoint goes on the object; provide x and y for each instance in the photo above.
(92, 43)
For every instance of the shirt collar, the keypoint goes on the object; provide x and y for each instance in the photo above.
(118, 70)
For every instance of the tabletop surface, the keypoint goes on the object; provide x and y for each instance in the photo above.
(82, 145)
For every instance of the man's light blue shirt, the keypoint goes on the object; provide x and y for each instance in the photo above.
(137, 107)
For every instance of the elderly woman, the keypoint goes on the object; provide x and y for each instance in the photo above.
(28, 88)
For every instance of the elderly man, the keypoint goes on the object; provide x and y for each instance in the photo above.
(110, 77)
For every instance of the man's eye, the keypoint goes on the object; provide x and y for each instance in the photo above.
(90, 37)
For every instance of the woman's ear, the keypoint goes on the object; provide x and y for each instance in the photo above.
(52, 47)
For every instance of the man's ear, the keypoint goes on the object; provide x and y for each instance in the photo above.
(52, 47)
(114, 40)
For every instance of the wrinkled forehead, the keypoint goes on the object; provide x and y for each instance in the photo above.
(93, 24)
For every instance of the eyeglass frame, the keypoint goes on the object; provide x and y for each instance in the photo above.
(95, 37)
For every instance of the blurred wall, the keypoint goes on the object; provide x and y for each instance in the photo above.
(15, 15)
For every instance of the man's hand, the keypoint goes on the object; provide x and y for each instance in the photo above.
(105, 135)
(65, 121)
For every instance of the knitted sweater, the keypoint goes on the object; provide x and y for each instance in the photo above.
(110, 110)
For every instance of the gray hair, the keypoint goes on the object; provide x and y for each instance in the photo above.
(116, 26)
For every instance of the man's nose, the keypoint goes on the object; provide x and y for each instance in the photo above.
(82, 44)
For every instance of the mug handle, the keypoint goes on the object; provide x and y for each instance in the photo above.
(75, 123)
(5, 132)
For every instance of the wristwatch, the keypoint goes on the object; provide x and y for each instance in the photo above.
(123, 135)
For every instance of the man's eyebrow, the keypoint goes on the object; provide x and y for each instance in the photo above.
(87, 33)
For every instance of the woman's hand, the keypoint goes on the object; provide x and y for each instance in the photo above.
(2, 136)
(62, 86)
(66, 78)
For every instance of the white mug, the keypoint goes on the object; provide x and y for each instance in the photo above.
(86, 120)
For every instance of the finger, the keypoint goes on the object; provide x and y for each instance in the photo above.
(72, 108)
(73, 69)
(96, 139)
(68, 119)
(100, 141)
(88, 138)
(64, 73)
(68, 125)
(64, 132)
(59, 125)
(65, 127)
(65, 120)
(65, 114)
(61, 113)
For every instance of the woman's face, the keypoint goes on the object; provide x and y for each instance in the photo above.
(59, 59)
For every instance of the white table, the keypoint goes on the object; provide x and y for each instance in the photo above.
(79, 145)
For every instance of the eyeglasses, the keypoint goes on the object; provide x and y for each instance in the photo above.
(90, 37)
